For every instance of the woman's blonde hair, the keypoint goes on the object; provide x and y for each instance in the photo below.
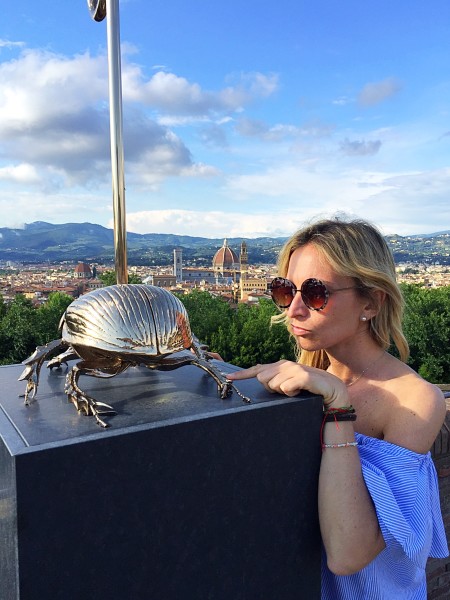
(355, 248)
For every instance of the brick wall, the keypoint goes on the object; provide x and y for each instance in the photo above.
(438, 570)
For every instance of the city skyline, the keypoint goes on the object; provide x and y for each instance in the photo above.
(239, 121)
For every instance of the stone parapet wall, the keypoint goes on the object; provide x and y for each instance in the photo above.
(438, 569)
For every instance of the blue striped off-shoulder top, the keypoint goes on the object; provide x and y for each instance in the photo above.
(404, 489)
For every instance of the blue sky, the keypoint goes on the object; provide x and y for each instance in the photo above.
(239, 118)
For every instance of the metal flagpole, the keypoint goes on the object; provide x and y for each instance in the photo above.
(99, 9)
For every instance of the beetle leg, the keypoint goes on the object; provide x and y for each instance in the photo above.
(62, 358)
(82, 401)
(202, 360)
(33, 365)
(245, 398)
(225, 386)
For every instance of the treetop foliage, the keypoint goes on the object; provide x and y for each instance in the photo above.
(426, 325)
(23, 327)
(242, 335)
(110, 278)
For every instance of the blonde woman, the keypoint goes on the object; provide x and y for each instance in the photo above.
(379, 506)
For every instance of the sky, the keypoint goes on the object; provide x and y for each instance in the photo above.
(239, 118)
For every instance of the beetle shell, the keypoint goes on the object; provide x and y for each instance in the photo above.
(128, 319)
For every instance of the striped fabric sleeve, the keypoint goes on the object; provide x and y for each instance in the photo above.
(403, 487)
(404, 490)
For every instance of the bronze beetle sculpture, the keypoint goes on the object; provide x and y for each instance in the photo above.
(113, 328)
(97, 8)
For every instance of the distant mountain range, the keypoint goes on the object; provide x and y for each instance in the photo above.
(45, 242)
(41, 242)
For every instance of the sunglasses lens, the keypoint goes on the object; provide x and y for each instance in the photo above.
(282, 291)
(314, 294)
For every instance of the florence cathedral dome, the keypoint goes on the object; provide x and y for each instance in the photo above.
(225, 258)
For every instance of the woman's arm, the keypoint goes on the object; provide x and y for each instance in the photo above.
(348, 522)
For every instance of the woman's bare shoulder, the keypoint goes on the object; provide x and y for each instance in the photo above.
(417, 412)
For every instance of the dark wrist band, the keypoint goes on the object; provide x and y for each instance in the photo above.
(340, 417)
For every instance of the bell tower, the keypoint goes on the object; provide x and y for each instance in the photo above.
(243, 257)
(178, 264)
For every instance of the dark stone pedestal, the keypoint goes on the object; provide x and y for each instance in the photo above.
(186, 496)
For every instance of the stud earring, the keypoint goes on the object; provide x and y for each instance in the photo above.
(363, 318)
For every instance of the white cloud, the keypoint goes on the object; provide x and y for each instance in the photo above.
(399, 202)
(274, 203)
(207, 224)
(415, 202)
(60, 207)
(9, 44)
(360, 147)
(54, 117)
(259, 129)
(188, 145)
(200, 170)
(252, 85)
(213, 136)
(342, 101)
(177, 96)
(376, 92)
(23, 173)
(40, 88)
(256, 128)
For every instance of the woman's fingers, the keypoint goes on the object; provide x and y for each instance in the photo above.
(289, 378)
(246, 373)
(275, 377)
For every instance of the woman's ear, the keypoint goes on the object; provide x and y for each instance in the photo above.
(373, 303)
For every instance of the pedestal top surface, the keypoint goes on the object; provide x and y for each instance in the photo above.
(141, 398)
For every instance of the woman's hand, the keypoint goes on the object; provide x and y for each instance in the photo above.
(290, 378)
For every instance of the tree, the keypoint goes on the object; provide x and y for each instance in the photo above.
(23, 327)
(242, 336)
(49, 316)
(18, 330)
(206, 314)
(110, 278)
(3, 307)
(426, 326)
(3, 336)
(251, 338)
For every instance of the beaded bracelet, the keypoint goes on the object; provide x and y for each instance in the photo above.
(343, 445)
(343, 413)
